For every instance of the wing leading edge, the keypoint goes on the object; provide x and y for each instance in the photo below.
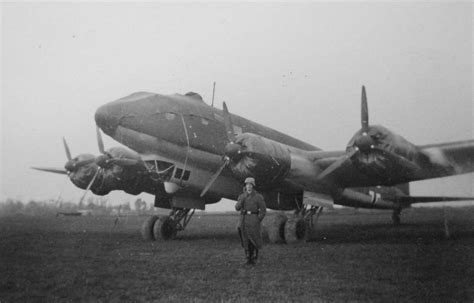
(447, 159)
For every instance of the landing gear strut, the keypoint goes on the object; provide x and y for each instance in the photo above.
(309, 215)
(166, 228)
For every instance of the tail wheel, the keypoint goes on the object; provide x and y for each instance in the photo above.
(147, 228)
(165, 229)
(275, 226)
(295, 229)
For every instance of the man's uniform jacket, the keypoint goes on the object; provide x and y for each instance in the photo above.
(249, 225)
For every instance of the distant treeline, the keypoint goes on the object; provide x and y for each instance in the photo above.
(96, 206)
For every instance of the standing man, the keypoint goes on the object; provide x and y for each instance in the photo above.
(252, 211)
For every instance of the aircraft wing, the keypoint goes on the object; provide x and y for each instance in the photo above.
(430, 161)
(377, 156)
(448, 159)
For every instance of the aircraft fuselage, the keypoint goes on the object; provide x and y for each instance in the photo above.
(186, 132)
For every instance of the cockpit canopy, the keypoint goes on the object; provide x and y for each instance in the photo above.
(194, 96)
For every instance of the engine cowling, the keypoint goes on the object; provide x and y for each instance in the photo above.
(130, 176)
(383, 154)
(265, 160)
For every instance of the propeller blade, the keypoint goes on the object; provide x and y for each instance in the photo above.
(100, 142)
(51, 170)
(336, 164)
(364, 112)
(229, 126)
(213, 178)
(66, 147)
(407, 165)
(89, 186)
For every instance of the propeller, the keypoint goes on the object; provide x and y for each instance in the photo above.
(72, 164)
(371, 141)
(106, 158)
(232, 150)
(362, 143)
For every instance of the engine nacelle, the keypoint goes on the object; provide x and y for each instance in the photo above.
(264, 159)
(384, 155)
(104, 182)
(132, 180)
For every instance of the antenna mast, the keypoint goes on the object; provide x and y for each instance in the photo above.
(213, 92)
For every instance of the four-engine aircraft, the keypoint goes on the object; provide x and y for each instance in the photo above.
(189, 154)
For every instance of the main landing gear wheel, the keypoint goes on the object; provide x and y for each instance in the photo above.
(295, 229)
(299, 227)
(147, 228)
(165, 228)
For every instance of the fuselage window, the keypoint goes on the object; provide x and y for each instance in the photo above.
(178, 173)
(187, 173)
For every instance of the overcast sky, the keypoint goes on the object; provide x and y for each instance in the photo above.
(297, 68)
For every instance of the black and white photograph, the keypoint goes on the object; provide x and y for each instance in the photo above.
(237, 151)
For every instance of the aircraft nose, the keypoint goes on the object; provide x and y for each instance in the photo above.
(107, 117)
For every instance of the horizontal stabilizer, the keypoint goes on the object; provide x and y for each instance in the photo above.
(61, 171)
(430, 199)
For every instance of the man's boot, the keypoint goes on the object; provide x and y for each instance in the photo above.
(247, 256)
(250, 257)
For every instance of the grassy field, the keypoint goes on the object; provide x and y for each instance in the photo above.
(357, 257)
